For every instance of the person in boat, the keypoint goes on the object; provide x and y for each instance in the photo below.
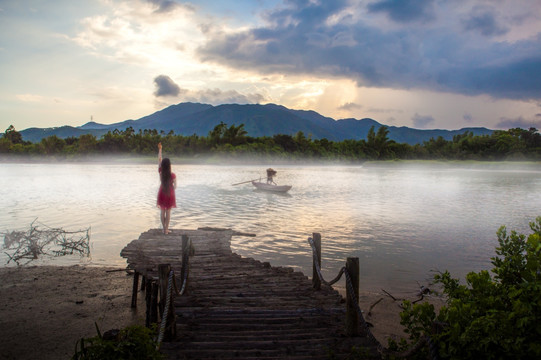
(166, 195)
(270, 174)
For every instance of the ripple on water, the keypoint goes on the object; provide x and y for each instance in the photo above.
(401, 222)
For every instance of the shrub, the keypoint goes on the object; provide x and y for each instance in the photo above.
(491, 317)
(133, 342)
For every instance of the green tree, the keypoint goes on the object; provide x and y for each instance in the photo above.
(235, 135)
(52, 145)
(87, 144)
(215, 135)
(378, 143)
(286, 142)
(13, 135)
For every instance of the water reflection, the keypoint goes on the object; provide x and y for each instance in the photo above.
(402, 222)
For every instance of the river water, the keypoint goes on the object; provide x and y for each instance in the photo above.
(403, 221)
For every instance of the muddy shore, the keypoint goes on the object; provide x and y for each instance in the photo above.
(45, 310)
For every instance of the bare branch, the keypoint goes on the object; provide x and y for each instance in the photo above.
(35, 242)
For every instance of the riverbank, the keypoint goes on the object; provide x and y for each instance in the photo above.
(45, 310)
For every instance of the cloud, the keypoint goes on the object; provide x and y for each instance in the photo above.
(33, 98)
(519, 122)
(217, 96)
(404, 11)
(164, 6)
(165, 86)
(308, 38)
(421, 122)
(483, 19)
(468, 118)
(350, 106)
(149, 33)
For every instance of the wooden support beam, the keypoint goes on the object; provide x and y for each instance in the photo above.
(154, 303)
(352, 317)
(148, 300)
(316, 282)
(134, 290)
(186, 251)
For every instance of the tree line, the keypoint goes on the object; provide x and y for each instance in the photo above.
(233, 141)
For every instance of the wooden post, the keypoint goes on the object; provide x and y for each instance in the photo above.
(148, 296)
(316, 282)
(143, 283)
(185, 244)
(134, 290)
(186, 250)
(352, 317)
(163, 273)
(154, 303)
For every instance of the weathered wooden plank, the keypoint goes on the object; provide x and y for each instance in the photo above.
(238, 307)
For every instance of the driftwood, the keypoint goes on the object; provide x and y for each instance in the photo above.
(24, 246)
(372, 306)
(128, 271)
(421, 295)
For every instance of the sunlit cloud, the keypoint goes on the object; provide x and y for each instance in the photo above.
(144, 33)
(466, 63)
(166, 87)
(350, 106)
(429, 56)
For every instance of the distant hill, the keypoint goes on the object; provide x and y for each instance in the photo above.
(36, 134)
(259, 120)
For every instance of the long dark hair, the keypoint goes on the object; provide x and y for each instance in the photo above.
(165, 175)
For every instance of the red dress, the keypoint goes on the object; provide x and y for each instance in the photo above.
(167, 200)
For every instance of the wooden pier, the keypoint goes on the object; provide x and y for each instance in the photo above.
(238, 307)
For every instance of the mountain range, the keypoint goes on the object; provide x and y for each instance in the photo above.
(259, 120)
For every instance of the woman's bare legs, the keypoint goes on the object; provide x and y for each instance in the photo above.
(165, 216)
(167, 219)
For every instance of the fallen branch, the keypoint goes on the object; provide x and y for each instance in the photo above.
(129, 271)
(372, 306)
(25, 246)
(392, 297)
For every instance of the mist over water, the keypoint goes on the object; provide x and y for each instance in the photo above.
(402, 221)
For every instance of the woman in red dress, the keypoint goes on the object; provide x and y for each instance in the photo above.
(166, 195)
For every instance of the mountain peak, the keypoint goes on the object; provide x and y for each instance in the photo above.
(259, 120)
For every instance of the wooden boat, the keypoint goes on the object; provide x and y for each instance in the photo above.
(270, 187)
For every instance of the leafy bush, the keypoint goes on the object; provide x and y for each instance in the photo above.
(491, 317)
(131, 343)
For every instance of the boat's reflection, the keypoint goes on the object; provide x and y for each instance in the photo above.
(272, 193)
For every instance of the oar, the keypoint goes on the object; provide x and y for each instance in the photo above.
(244, 182)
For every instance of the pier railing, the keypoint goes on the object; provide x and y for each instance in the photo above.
(355, 322)
(167, 287)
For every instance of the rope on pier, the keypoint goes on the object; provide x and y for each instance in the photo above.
(172, 286)
(426, 340)
(166, 309)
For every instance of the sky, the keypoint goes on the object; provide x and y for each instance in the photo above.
(426, 64)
